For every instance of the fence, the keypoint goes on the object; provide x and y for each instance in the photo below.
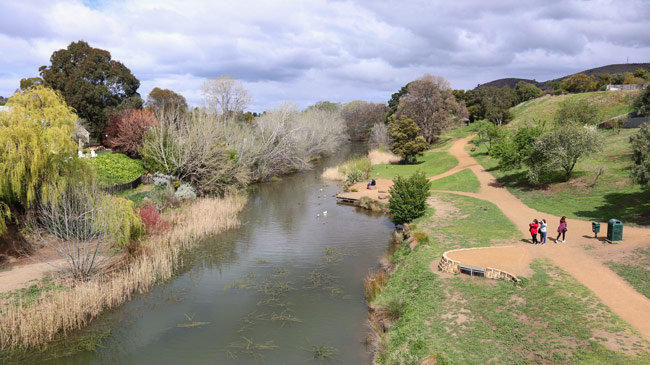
(142, 179)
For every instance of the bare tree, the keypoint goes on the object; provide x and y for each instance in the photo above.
(192, 147)
(379, 136)
(75, 227)
(430, 102)
(225, 96)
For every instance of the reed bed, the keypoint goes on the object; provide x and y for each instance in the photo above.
(25, 327)
(333, 174)
(378, 157)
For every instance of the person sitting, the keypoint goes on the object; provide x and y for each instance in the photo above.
(371, 184)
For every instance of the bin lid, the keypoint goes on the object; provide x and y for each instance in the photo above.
(614, 221)
(595, 223)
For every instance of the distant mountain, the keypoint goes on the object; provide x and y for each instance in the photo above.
(511, 82)
(609, 69)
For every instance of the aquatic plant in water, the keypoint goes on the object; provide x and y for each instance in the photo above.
(249, 348)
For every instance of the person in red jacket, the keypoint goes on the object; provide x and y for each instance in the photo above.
(534, 225)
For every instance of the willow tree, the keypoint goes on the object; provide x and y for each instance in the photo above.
(35, 147)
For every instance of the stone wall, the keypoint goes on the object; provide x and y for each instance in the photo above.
(452, 266)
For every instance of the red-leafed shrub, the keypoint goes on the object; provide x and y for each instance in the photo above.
(151, 219)
(125, 130)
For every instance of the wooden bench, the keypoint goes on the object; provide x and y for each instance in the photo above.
(472, 270)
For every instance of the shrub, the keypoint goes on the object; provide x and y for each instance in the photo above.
(123, 224)
(185, 191)
(641, 146)
(125, 130)
(160, 179)
(116, 168)
(408, 198)
(151, 219)
(356, 169)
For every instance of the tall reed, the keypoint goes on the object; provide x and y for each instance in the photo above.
(34, 325)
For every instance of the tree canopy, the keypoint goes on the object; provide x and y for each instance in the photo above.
(525, 91)
(579, 83)
(360, 116)
(430, 103)
(160, 99)
(406, 141)
(35, 146)
(92, 83)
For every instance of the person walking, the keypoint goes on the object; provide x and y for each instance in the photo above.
(561, 230)
(542, 231)
(534, 225)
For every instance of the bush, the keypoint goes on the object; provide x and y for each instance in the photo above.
(151, 219)
(125, 130)
(116, 168)
(356, 169)
(185, 191)
(408, 198)
(123, 224)
(641, 146)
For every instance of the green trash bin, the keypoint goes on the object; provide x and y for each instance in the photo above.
(614, 230)
(595, 227)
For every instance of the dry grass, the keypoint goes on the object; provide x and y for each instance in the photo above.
(334, 174)
(378, 157)
(374, 283)
(36, 324)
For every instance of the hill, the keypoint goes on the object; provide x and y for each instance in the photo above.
(511, 82)
(609, 69)
(612, 103)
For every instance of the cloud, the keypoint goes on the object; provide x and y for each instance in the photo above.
(306, 51)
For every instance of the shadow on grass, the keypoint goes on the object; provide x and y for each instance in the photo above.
(627, 207)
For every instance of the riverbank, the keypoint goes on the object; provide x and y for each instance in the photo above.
(567, 305)
(28, 324)
(422, 314)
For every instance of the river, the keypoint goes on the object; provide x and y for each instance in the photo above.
(286, 282)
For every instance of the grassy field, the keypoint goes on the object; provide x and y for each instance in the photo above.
(612, 103)
(464, 180)
(635, 269)
(116, 168)
(547, 318)
(613, 196)
(432, 163)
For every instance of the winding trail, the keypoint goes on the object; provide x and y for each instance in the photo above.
(572, 257)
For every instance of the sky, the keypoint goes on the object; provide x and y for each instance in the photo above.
(307, 51)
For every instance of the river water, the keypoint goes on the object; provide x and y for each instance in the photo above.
(290, 279)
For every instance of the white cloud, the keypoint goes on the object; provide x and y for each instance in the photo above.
(307, 51)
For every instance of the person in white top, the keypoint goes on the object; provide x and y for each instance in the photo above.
(542, 231)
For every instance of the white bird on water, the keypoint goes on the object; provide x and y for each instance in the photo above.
(324, 212)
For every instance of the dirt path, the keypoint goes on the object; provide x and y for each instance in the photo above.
(572, 256)
(23, 276)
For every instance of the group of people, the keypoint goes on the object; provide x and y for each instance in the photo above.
(540, 227)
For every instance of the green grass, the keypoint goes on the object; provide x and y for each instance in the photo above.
(548, 317)
(612, 103)
(464, 180)
(461, 131)
(432, 164)
(613, 196)
(635, 270)
(116, 168)
(29, 295)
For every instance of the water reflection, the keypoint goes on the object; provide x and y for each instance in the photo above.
(268, 292)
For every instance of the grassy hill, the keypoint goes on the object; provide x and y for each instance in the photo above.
(611, 103)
